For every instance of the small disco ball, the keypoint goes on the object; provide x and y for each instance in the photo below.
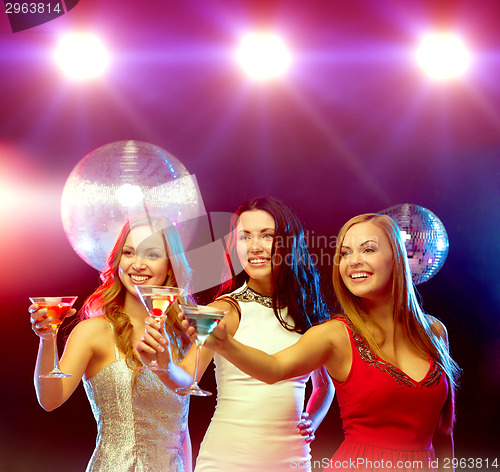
(425, 239)
(119, 181)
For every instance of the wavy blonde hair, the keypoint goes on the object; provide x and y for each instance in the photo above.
(108, 299)
(417, 326)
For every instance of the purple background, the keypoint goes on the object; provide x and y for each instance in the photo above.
(355, 127)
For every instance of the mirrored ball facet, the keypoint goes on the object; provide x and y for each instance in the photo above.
(119, 181)
(425, 239)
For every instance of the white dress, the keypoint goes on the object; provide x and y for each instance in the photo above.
(254, 427)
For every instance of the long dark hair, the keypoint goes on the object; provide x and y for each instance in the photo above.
(296, 278)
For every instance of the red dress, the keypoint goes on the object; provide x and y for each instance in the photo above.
(388, 418)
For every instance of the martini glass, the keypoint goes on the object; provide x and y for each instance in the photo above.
(204, 319)
(158, 300)
(57, 308)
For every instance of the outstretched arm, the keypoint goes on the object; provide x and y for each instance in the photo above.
(155, 344)
(312, 351)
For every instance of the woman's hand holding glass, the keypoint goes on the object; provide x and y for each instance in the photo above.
(217, 340)
(41, 323)
(155, 344)
(189, 330)
(55, 310)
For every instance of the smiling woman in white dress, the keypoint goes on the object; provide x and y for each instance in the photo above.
(277, 298)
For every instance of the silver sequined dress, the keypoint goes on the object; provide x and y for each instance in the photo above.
(138, 429)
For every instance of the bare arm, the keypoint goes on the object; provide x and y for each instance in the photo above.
(188, 453)
(313, 350)
(321, 397)
(318, 404)
(155, 343)
(52, 393)
(174, 375)
(443, 442)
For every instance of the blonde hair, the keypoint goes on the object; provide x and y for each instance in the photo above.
(109, 297)
(407, 310)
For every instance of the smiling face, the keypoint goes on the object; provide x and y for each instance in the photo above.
(366, 263)
(255, 236)
(143, 260)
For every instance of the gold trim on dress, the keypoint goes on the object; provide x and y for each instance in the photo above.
(372, 359)
(249, 295)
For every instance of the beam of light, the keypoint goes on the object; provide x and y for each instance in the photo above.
(335, 140)
(482, 100)
(263, 56)
(28, 199)
(443, 56)
(405, 236)
(81, 56)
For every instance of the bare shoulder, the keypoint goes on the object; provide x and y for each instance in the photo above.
(93, 339)
(92, 329)
(334, 330)
(92, 325)
(337, 327)
(438, 328)
(338, 355)
(222, 304)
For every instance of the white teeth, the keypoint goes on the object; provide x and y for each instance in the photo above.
(360, 275)
(139, 278)
(257, 261)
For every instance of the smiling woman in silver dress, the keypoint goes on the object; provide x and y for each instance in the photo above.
(141, 424)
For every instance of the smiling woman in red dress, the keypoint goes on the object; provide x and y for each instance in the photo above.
(388, 359)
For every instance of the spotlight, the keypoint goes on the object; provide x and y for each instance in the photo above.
(81, 56)
(130, 195)
(263, 56)
(443, 56)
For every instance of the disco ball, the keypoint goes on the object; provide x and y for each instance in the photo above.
(425, 239)
(120, 181)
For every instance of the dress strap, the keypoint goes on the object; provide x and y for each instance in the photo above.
(232, 302)
(117, 353)
(368, 355)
